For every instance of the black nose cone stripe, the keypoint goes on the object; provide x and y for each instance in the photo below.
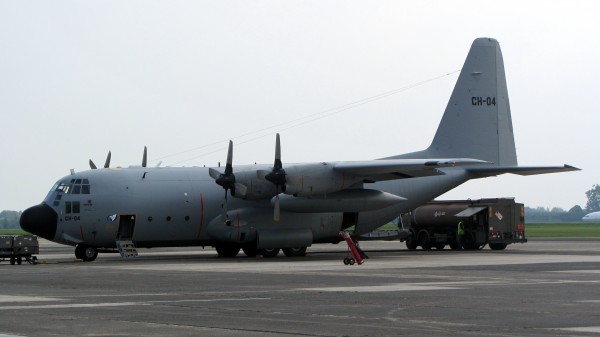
(40, 220)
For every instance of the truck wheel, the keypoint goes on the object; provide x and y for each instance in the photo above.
(454, 245)
(440, 246)
(411, 242)
(424, 240)
(498, 246)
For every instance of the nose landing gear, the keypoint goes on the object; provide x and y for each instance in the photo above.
(86, 253)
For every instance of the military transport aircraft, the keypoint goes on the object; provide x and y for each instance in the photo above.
(286, 206)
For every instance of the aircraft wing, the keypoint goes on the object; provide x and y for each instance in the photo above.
(388, 169)
(482, 172)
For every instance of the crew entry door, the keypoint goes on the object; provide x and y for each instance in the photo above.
(126, 227)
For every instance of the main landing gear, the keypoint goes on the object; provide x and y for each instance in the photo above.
(232, 250)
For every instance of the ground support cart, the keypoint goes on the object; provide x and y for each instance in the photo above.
(19, 248)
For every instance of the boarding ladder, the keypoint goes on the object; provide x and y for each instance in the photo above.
(127, 249)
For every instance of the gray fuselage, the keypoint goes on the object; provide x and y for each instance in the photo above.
(182, 207)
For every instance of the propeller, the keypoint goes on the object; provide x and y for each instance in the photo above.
(277, 177)
(225, 180)
(145, 157)
(106, 163)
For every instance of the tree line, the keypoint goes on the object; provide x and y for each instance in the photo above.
(9, 219)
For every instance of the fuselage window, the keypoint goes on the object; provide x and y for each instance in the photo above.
(57, 200)
(72, 207)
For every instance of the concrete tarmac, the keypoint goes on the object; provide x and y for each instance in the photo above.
(541, 288)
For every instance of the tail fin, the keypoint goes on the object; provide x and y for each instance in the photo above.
(477, 122)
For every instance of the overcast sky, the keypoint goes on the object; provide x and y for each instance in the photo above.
(80, 78)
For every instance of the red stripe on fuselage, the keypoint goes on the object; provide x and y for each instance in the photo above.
(201, 216)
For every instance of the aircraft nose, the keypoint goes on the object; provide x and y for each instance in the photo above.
(40, 220)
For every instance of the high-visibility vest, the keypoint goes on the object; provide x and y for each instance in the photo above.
(460, 230)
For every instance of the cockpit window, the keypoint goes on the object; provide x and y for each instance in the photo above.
(75, 186)
(63, 188)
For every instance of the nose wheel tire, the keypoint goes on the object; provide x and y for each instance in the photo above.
(86, 253)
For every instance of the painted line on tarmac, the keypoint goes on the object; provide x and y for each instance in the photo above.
(18, 299)
(384, 288)
(594, 271)
(591, 329)
(425, 286)
(124, 304)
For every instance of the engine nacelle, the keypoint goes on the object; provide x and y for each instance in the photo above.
(255, 187)
(315, 179)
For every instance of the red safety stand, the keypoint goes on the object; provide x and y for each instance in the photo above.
(358, 257)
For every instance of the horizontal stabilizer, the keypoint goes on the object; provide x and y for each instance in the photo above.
(482, 172)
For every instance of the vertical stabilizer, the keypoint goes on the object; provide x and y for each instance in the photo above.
(477, 122)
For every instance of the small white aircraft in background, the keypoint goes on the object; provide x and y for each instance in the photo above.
(591, 217)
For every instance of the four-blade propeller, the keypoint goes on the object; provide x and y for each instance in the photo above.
(277, 177)
(227, 180)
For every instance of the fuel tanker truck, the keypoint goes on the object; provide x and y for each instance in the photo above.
(465, 224)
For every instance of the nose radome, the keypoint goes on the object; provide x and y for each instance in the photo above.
(40, 220)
